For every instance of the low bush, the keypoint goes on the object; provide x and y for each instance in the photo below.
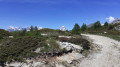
(1, 37)
(19, 48)
(51, 46)
(64, 39)
(4, 32)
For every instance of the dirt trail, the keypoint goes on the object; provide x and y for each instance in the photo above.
(109, 56)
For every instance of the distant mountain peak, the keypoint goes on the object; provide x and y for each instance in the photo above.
(12, 28)
(40, 28)
(63, 28)
(116, 21)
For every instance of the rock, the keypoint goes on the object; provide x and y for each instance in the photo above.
(105, 32)
(15, 64)
(69, 61)
(44, 34)
(26, 65)
(37, 50)
(69, 57)
(37, 64)
(11, 37)
(69, 46)
(58, 65)
(65, 36)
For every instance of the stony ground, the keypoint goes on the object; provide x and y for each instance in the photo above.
(106, 53)
(109, 56)
(67, 59)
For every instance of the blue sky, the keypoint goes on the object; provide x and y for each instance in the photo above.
(56, 13)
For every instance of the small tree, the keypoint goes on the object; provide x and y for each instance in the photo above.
(111, 26)
(76, 29)
(84, 27)
(1, 37)
(106, 24)
(31, 28)
(36, 28)
(23, 32)
(37, 33)
(97, 25)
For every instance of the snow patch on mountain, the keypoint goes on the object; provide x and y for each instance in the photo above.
(116, 21)
(40, 28)
(12, 28)
(63, 28)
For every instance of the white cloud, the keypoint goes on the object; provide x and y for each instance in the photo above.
(110, 19)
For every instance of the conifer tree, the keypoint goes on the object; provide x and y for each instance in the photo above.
(76, 29)
(84, 27)
(31, 28)
(97, 25)
(36, 29)
(106, 24)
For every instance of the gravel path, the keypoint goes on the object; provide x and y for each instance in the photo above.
(109, 56)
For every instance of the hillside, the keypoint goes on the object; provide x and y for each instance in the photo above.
(117, 26)
(31, 46)
(50, 47)
(4, 32)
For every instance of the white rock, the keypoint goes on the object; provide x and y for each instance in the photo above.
(37, 64)
(15, 64)
(58, 65)
(105, 32)
(44, 34)
(26, 65)
(11, 37)
(69, 61)
(37, 50)
(65, 36)
(69, 57)
(69, 46)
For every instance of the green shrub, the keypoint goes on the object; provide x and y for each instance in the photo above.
(4, 32)
(111, 26)
(1, 37)
(53, 46)
(76, 29)
(19, 48)
(64, 39)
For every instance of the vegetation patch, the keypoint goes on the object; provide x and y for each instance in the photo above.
(116, 37)
(4, 33)
(51, 46)
(19, 48)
